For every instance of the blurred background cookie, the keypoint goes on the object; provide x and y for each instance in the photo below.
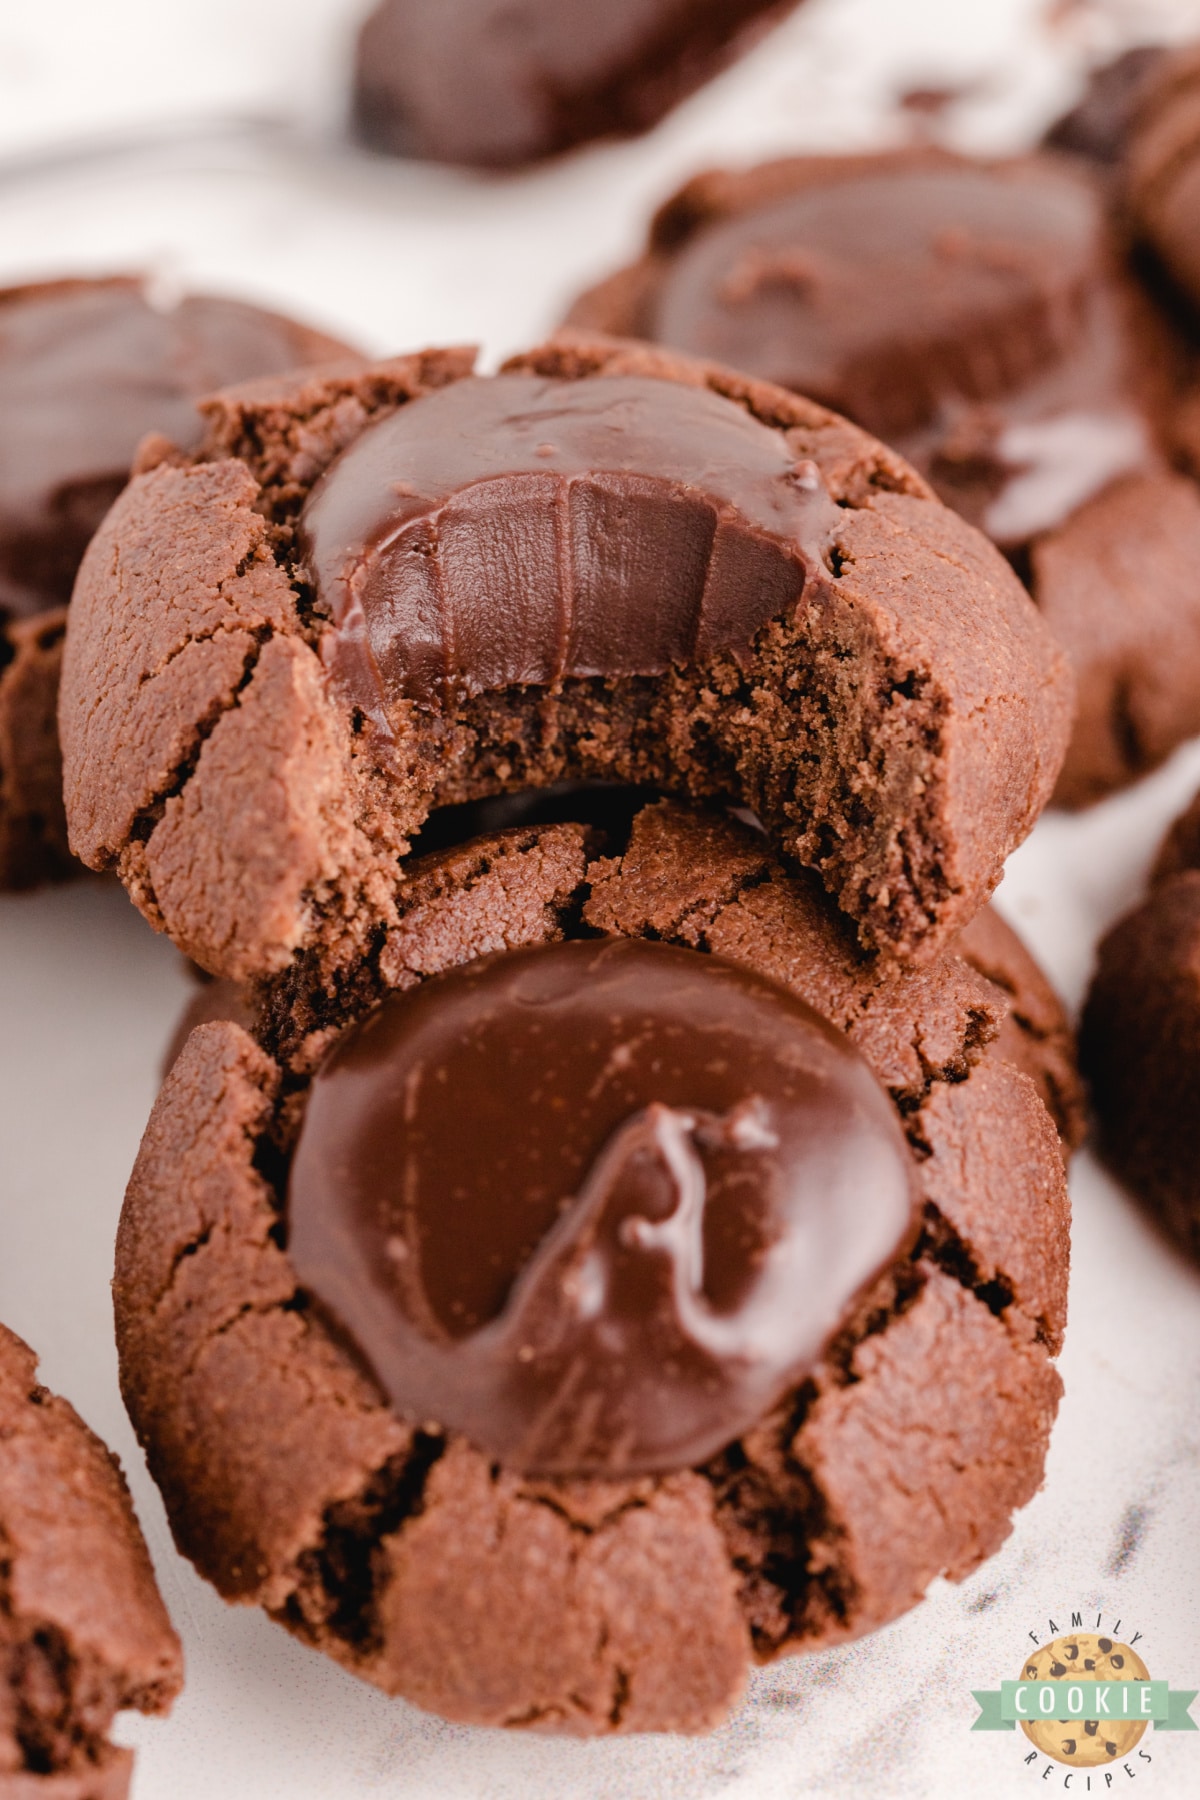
(88, 368)
(505, 82)
(696, 582)
(1140, 1040)
(982, 319)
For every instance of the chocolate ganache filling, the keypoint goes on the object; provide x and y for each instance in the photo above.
(596, 1205)
(519, 530)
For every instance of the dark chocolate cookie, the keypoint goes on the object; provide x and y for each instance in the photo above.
(1098, 126)
(1163, 167)
(1140, 1040)
(984, 320)
(370, 595)
(83, 1632)
(503, 82)
(87, 370)
(497, 1585)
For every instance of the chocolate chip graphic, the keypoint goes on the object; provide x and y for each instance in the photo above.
(1031, 1671)
(1105, 1645)
(1111, 1748)
(1088, 1663)
(1071, 1651)
(1091, 1726)
(1057, 1669)
(1068, 1748)
(1118, 1662)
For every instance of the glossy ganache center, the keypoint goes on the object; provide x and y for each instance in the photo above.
(596, 1205)
(519, 530)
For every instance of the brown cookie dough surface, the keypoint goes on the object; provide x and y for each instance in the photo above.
(1036, 1035)
(83, 1632)
(986, 320)
(497, 83)
(1140, 1040)
(595, 1605)
(87, 370)
(898, 725)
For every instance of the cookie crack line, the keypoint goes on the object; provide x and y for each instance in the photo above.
(151, 813)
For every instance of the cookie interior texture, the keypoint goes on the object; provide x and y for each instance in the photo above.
(83, 1632)
(502, 82)
(992, 322)
(596, 1605)
(87, 369)
(900, 731)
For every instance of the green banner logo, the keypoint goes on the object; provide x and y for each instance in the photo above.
(1064, 1701)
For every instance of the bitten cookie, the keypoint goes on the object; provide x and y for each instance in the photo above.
(982, 318)
(87, 369)
(83, 1632)
(515, 1540)
(503, 82)
(370, 595)
(1140, 1040)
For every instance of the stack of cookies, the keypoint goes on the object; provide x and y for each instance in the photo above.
(610, 1226)
(604, 1223)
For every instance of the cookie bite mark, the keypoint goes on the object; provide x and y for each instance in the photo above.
(711, 883)
(83, 1632)
(897, 726)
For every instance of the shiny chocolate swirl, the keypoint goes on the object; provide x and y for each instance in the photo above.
(597, 1205)
(519, 530)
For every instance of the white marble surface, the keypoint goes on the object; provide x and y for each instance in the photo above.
(197, 137)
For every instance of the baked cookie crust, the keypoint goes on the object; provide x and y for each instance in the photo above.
(901, 737)
(596, 1606)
